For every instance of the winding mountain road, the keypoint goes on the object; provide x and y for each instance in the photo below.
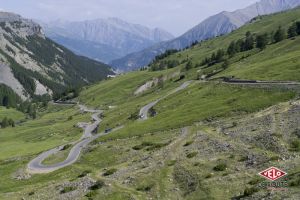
(145, 110)
(36, 167)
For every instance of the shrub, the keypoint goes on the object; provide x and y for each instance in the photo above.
(295, 145)
(91, 194)
(254, 181)
(295, 183)
(188, 143)
(171, 162)
(67, 189)
(84, 173)
(145, 187)
(98, 185)
(110, 172)
(191, 155)
(66, 147)
(150, 146)
(250, 191)
(220, 167)
(209, 175)
(297, 132)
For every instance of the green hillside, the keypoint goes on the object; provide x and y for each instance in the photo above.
(208, 140)
(278, 61)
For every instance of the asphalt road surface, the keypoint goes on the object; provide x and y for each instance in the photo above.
(145, 110)
(36, 166)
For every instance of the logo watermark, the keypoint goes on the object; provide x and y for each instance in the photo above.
(272, 174)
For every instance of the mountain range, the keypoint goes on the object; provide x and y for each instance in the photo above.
(104, 39)
(222, 23)
(33, 65)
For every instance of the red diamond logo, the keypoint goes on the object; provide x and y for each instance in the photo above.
(272, 173)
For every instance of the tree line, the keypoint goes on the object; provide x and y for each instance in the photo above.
(250, 42)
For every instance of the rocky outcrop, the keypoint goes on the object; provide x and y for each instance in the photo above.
(24, 26)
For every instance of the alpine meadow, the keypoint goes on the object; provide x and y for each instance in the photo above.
(211, 114)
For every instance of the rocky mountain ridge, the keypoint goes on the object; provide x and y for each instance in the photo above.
(31, 64)
(104, 39)
(216, 25)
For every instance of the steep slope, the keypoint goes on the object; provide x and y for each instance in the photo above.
(209, 140)
(277, 61)
(31, 64)
(104, 39)
(216, 25)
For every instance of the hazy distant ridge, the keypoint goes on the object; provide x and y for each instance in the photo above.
(219, 24)
(104, 39)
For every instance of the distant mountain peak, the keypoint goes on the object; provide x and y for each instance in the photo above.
(31, 64)
(104, 39)
(26, 26)
(219, 24)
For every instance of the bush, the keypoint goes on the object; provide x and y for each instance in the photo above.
(145, 187)
(295, 145)
(66, 147)
(295, 183)
(188, 143)
(84, 173)
(110, 172)
(220, 167)
(91, 194)
(150, 146)
(7, 122)
(98, 185)
(297, 132)
(67, 189)
(187, 180)
(171, 162)
(250, 191)
(191, 155)
(279, 35)
(254, 181)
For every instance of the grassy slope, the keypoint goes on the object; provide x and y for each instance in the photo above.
(196, 103)
(20, 144)
(32, 137)
(201, 102)
(11, 113)
(116, 91)
(278, 62)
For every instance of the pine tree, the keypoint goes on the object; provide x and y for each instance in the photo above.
(298, 27)
(279, 35)
(249, 42)
(5, 101)
(213, 57)
(262, 41)
(219, 56)
(189, 65)
(231, 51)
(292, 31)
(226, 64)
(239, 46)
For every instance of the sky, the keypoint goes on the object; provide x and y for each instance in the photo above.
(175, 16)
